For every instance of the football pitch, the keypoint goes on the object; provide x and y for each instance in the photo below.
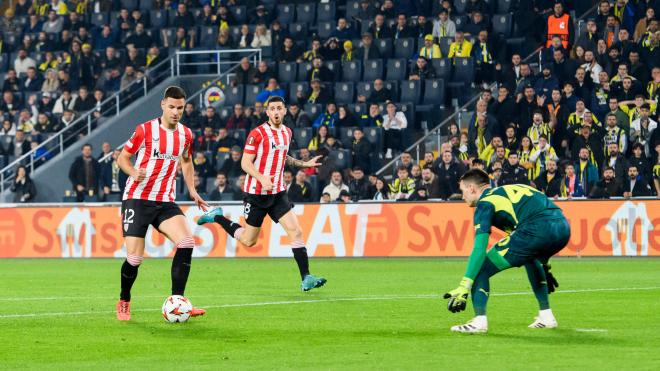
(373, 314)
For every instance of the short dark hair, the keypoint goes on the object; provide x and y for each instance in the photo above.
(476, 176)
(609, 168)
(633, 165)
(174, 92)
(87, 145)
(402, 168)
(273, 99)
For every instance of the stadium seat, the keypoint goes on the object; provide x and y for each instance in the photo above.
(464, 70)
(344, 92)
(239, 135)
(411, 91)
(303, 136)
(298, 30)
(239, 12)
(342, 158)
(396, 69)
(352, 8)
(404, 48)
(335, 67)
(375, 136)
(208, 36)
(251, 92)
(99, 19)
(358, 109)
(325, 29)
(158, 18)
(285, 13)
(393, 85)
(313, 110)
(460, 21)
(502, 24)
(460, 6)
(346, 136)
(286, 72)
(434, 92)
(303, 68)
(325, 12)
(234, 95)
(220, 159)
(445, 44)
(373, 69)
(352, 71)
(296, 87)
(408, 110)
(384, 47)
(442, 68)
(503, 6)
(130, 4)
(306, 13)
(225, 111)
(364, 26)
(363, 88)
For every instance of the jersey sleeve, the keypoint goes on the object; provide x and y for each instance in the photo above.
(252, 142)
(188, 150)
(136, 140)
(483, 217)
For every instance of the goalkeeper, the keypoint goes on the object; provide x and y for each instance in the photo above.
(537, 230)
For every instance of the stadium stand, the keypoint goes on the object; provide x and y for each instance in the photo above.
(600, 69)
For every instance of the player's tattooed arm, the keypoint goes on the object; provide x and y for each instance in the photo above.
(290, 161)
(314, 162)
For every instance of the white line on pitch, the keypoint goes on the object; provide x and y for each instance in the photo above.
(590, 330)
(291, 302)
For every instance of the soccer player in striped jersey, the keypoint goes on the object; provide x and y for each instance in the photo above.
(149, 195)
(264, 158)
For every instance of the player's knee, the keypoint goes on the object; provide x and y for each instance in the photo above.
(134, 259)
(249, 242)
(187, 242)
(296, 234)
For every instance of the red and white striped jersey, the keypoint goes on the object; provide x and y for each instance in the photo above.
(271, 147)
(158, 151)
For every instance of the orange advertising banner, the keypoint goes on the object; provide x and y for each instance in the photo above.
(598, 228)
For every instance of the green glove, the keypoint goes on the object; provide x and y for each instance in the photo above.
(458, 296)
(550, 279)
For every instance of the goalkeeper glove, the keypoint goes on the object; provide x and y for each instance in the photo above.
(550, 279)
(458, 296)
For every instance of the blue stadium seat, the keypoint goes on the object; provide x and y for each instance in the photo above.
(442, 68)
(325, 29)
(502, 24)
(286, 72)
(285, 13)
(364, 26)
(326, 12)
(393, 85)
(313, 110)
(12, 39)
(220, 159)
(158, 18)
(342, 158)
(411, 91)
(99, 19)
(225, 111)
(251, 92)
(460, 6)
(208, 36)
(373, 69)
(461, 21)
(306, 13)
(352, 71)
(396, 69)
(358, 109)
(384, 47)
(303, 136)
(344, 92)
(346, 136)
(504, 6)
(4, 62)
(234, 95)
(130, 4)
(445, 44)
(404, 48)
(335, 67)
(408, 110)
(303, 68)
(298, 30)
(464, 70)
(296, 87)
(352, 8)
(375, 136)
(434, 92)
(239, 12)
(363, 88)
(239, 135)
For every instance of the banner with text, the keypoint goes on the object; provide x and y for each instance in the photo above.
(599, 228)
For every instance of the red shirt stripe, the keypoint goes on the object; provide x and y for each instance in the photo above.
(271, 147)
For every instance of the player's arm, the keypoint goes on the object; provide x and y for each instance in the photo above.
(188, 171)
(313, 162)
(130, 148)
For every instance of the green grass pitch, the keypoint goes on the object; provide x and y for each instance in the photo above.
(373, 314)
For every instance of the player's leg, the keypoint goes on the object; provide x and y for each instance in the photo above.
(480, 293)
(282, 212)
(248, 235)
(537, 280)
(174, 225)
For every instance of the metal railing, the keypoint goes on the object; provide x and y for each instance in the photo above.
(216, 57)
(415, 149)
(253, 54)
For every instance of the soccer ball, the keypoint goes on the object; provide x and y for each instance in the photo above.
(176, 308)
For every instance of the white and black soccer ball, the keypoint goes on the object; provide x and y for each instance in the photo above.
(177, 308)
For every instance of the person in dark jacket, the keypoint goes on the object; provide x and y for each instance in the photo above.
(512, 172)
(550, 181)
(585, 170)
(85, 173)
(113, 179)
(300, 190)
(359, 187)
(361, 149)
(636, 185)
(449, 173)
(232, 167)
(23, 187)
(222, 187)
(608, 186)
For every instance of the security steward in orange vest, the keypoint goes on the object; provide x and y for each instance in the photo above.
(560, 24)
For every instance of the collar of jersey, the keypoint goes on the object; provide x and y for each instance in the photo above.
(167, 129)
(272, 128)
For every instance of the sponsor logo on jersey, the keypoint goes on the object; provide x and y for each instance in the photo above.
(163, 156)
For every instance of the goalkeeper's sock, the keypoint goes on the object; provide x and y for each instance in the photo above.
(537, 280)
(300, 254)
(181, 265)
(129, 272)
(232, 229)
(546, 314)
(480, 292)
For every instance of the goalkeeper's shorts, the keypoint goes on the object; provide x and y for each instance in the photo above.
(535, 240)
